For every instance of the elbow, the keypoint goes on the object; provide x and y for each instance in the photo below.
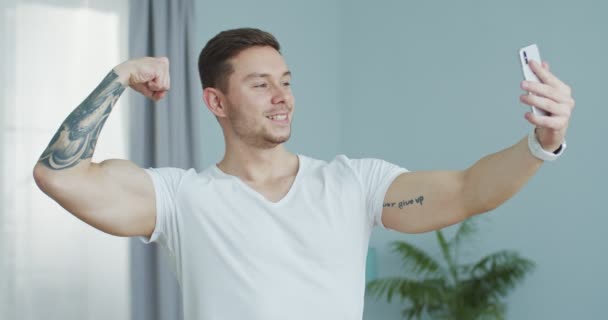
(44, 178)
(40, 176)
(49, 179)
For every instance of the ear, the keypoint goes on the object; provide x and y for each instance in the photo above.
(214, 100)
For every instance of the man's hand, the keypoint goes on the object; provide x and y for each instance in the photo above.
(553, 96)
(148, 76)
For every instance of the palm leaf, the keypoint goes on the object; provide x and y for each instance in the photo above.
(465, 230)
(415, 311)
(496, 274)
(495, 311)
(416, 260)
(425, 292)
(445, 250)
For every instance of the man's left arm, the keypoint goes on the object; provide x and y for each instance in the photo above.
(429, 200)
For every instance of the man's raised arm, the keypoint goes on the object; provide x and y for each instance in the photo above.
(114, 196)
(426, 201)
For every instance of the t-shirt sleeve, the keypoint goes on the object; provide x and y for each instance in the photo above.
(166, 184)
(375, 176)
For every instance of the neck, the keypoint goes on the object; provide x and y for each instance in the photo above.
(258, 165)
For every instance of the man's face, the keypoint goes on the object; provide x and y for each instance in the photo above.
(259, 103)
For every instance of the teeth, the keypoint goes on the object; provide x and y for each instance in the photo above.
(278, 117)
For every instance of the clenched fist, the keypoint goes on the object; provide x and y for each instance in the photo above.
(148, 76)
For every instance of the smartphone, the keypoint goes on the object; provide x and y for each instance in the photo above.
(525, 55)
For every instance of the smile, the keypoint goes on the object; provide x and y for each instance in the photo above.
(278, 117)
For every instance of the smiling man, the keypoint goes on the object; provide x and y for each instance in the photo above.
(266, 233)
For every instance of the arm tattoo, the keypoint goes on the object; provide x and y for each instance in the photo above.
(404, 203)
(76, 138)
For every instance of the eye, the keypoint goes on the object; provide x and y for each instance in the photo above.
(287, 84)
(261, 85)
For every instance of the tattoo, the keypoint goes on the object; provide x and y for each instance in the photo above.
(76, 138)
(402, 204)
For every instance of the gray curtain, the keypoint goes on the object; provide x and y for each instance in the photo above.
(163, 134)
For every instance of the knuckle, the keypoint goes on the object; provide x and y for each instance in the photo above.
(537, 88)
(551, 91)
(545, 103)
(542, 89)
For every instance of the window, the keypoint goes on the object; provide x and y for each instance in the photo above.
(52, 265)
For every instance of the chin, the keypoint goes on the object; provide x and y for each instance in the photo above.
(277, 139)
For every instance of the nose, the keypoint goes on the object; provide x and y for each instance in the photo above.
(280, 94)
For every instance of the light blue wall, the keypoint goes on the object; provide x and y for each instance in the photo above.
(435, 85)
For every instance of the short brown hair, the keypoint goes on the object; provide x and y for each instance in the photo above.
(213, 66)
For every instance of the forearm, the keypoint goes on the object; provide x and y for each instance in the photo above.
(75, 141)
(497, 177)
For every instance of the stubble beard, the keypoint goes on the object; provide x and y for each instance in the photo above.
(259, 137)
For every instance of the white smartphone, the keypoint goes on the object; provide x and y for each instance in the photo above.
(525, 55)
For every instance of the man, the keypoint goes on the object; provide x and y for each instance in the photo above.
(265, 233)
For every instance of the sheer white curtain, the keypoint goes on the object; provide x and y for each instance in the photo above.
(52, 265)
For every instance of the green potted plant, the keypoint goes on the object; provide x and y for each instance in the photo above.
(453, 290)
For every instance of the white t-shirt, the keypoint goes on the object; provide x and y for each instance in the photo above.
(237, 255)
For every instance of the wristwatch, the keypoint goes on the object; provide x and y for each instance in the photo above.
(537, 150)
